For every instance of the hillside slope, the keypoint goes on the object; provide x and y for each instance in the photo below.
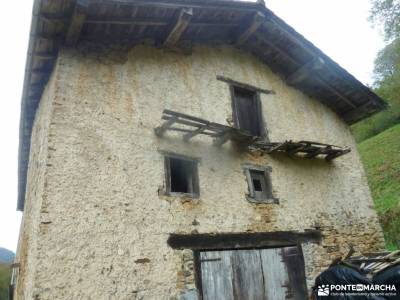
(381, 157)
(5, 277)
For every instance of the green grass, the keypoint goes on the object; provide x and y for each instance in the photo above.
(5, 277)
(381, 157)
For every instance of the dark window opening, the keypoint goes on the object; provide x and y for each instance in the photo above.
(247, 112)
(257, 185)
(181, 176)
(261, 188)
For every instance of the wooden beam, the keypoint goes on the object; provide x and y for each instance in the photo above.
(294, 61)
(219, 141)
(39, 71)
(126, 21)
(44, 55)
(332, 156)
(243, 240)
(367, 107)
(244, 85)
(235, 5)
(152, 22)
(53, 17)
(159, 131)
(77, 21)
(257, 20)
(301, 73)
(179, 27)
(193, 133)
(293, 38)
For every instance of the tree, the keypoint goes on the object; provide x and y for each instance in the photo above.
(387, 62)
(387, 13)
(386, 70)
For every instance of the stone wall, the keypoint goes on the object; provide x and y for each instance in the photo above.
(104, 221)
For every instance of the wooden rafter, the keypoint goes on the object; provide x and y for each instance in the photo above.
(45, 55)
(257, 20)
(179, 27)
(304, 71)
(154, 22)
(294, 61)
(77, 21)
(352, 114)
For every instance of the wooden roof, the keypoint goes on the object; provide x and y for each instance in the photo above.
(249, 26)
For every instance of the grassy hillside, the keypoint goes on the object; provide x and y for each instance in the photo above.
(381, 158)
(5, 277)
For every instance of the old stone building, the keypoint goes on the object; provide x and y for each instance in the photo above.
(184, 150)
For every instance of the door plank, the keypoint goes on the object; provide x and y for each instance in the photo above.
(246, 111)
(294, 262)
(275, 274)
(248, 282)
(216, 275)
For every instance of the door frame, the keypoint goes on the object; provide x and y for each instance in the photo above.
(260, 117)
(197, 263)
(240, 241)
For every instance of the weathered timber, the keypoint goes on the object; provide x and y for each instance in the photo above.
(230, 5)
(54, 17)
(159, 131)
(153, 22)
(372, 263)
(242, 240)
(255, 23)
(364, 108)
(244, 85)
(222, 133)
(307, 149)
(179, 27)
(274, 273)
(191, 134)
(303, 72)
(77, 21)
(312, 74)
(222, 139)
(45, 55)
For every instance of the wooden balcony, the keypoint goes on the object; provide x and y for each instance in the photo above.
(191, 126)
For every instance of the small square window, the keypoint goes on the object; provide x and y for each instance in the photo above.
(181, 176)
(259, 184)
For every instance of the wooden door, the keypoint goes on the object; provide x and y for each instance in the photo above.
(256, 274)
(247, 111)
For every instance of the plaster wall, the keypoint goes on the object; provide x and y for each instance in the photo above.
(27, 252)
(96, 173)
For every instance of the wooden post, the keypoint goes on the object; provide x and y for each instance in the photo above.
(189, 135)
(222, 139)
(77, 21)
(159, 131)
